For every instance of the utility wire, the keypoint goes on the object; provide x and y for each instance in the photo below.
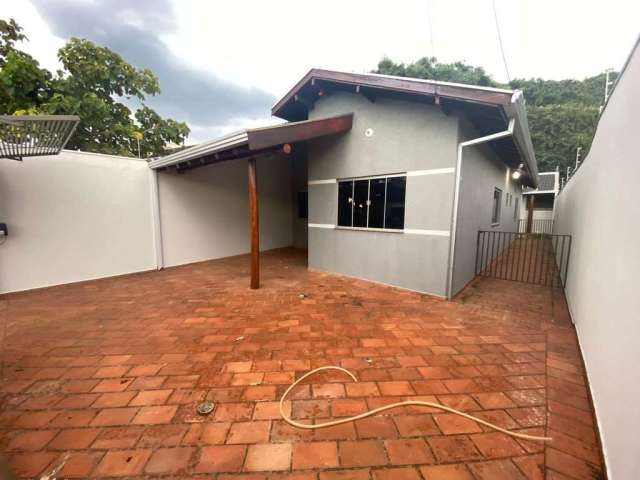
(504, 58)
(433, 48)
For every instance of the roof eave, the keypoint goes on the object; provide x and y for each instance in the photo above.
(516, 110)
(235, 139)
(456, 91)
(254, 142)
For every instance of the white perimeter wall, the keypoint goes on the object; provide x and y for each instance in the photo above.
(81, 216)
(204, 213)
(600, 208)
(73, 217)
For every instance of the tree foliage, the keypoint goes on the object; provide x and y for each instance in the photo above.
(97, 85)
(562, 114)
(10, 33)
(429, 67)
(23, 84)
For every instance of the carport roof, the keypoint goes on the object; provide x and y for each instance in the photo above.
(253, 142)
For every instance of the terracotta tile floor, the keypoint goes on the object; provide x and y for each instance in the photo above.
(111, 371)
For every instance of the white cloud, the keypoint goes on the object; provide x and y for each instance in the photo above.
(201, 133)
(271, 44)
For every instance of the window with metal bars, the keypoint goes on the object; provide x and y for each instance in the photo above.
(376, 202)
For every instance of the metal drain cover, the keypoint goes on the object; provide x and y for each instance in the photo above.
(205, 408)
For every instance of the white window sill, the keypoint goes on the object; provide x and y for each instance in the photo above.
(495, 224)
(365, 229)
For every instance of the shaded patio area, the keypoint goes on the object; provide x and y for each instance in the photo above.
(112, 370)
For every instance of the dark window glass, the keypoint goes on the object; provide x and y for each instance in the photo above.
(497, 197)
(544, 200)
(376, 203)
(345, 202)
(360, 197)
(303, 205)
(394, 216)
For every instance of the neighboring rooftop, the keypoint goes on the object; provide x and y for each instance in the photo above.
(549, 182)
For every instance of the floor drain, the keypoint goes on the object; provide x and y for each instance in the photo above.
(205, 408)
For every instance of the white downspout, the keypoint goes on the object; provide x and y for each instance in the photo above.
(155, 219)
(456, 195)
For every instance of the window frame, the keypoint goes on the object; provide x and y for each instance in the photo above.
(496, 207)
(368, 203)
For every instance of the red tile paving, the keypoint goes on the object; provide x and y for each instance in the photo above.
(111, 371)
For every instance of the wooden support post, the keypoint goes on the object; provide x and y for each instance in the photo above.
(255, 227)
(530, 201)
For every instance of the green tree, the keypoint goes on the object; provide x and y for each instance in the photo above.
(562, 114)
(430, 68)
(23, 84)
(557, 130)
(10, 33)
(97, 85)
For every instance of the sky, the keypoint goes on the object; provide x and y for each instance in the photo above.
(222, 64)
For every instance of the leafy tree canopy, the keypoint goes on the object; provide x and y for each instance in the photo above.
(562, 113)
(429, 67)
(97, 85)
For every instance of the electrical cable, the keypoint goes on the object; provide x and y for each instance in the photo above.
(504, 58)
(433, 48)
(375, 411)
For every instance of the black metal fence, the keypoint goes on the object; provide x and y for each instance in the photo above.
(537, 226)
(540, 259)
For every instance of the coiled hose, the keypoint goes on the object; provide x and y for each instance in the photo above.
(375, 411)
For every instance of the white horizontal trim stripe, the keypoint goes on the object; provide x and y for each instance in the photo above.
(433, 171)
(410, 231)
(372, 177)
(535, 192)
(439, 233)
(321, 225)
(412, 173)
(371, 229)
(322, 182)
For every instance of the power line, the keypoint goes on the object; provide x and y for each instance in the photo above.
(504, 58)
(433, 48)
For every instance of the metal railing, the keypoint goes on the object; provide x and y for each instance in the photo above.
(537, 226)
(540, 259)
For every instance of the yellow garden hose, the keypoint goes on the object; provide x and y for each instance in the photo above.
(375, 411)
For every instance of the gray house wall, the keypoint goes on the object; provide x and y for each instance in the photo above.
(481, 173)
(407, 137)
(599, 207)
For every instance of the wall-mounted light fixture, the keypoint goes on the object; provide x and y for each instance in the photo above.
(517, 173)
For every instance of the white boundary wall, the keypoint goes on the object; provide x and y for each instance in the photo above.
(81, 216)
(600, 208)
(72, 217)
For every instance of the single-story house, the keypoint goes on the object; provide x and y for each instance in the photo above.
(383, 178)
(397, 174)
